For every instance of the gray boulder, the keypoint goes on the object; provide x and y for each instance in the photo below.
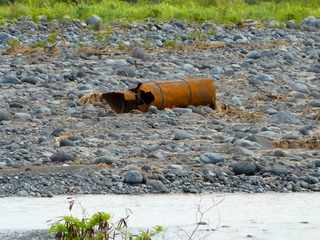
(212, 158)
(133, 177)
(245, 167)
(93, 20)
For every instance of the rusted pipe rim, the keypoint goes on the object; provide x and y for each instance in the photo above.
(122, 102)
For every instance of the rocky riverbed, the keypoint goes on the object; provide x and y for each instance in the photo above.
(50, 144)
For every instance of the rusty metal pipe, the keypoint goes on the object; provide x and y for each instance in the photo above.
(163, 94)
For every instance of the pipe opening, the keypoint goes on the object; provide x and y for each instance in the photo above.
(146, 97)
(115, 100)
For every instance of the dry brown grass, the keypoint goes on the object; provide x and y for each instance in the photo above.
(29, 50)
(269, 97)
(318, 116)
(97, 51)
(196, 45)
(236, 113)
(312, 142)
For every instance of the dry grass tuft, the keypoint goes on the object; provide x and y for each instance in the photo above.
(269, 97)
(236, 113)
(29, 50)
(309, 143)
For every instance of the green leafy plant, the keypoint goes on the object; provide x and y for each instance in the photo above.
(102, 35)
(39, 44)
(52, 37)
(13, 42)
(97, 227)
(196, 35)
(170, 43)
(148, 234)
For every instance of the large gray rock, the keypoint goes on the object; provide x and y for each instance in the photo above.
(157, 186)
(310, 179)
(182, 135)
(254, 55)
(126, 72)
(31, 79)
(245, 167)
(4, 115)
(279, 170)
(61, 157)
(133, 177)
(317, 163)
(216, 72)
(9, 79)
(263, 77)
(140, 54)
(66, 143)
(4, 37)
(93, 20)
(315, 68)
(285, 118)
(248, 144)
(310, 23)
(104, 159)
(23, 116)
(291, 24)
(212, 158)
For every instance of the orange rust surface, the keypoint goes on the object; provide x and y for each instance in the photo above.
(162, 94)
(181, 93)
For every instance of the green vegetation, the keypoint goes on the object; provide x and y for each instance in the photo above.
(97, 227)
(223, 11)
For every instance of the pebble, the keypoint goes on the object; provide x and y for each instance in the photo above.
(104, 159)
(182, 135)
(66, 143)
(126, 72)
(291, 24)
(10, 79)
(30, 80)
(254, 55)
(315, 103)
(182, 110)
(263, 78)
(317, 163)
(248, 144)
(285, 118)
(315, 68)
(23, 116)
(4, 37)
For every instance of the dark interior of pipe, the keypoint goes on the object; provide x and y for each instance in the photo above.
(146, 97)
(116, 101)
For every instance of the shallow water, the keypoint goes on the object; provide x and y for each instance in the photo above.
(232, 216)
